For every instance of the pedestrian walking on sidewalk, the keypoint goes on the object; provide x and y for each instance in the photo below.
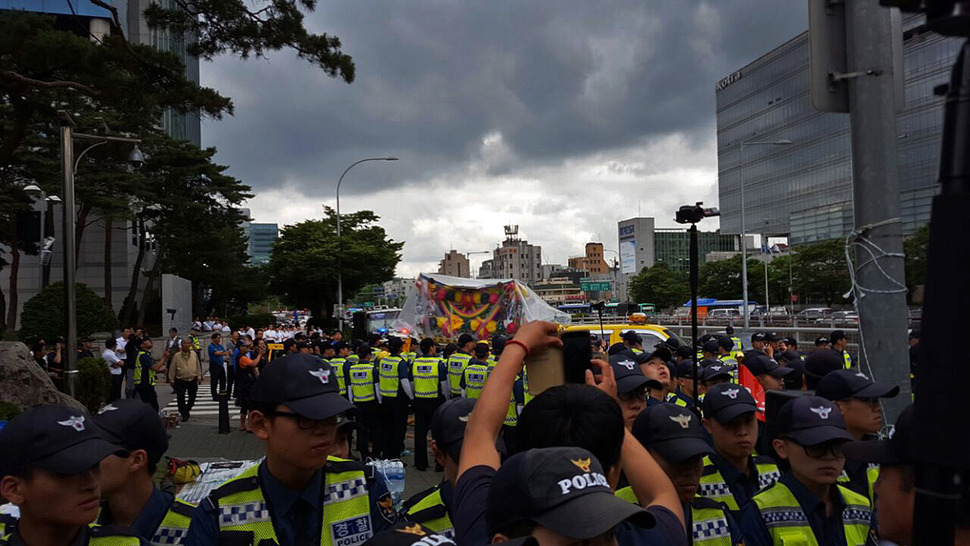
(185, 374)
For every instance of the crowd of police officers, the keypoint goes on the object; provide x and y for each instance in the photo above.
(636, 455)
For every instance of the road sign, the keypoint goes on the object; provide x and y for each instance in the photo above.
(602, 286)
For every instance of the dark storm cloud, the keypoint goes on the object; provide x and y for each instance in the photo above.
(556, 79)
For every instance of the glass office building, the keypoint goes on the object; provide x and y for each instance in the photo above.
(672, 247)
(804, 190)
(261, 239)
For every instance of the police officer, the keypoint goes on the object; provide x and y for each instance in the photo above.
(806, 505)
(858, 400)
(49, 469)
(362, 380)
(839, 342)
(430, 375)
(396, 393)
(820, 363)
(675, 439)
(737, 347)
(130, 496)
(144, 376)
(631, 386)
(298, 494)
(458, 361)
(476, 372)
(433, 507)
(339, 363)
(759, 343)
(821, 342)
(654, 366)
(633, 341)
(767, 371)
(733, 473)
(684, 376)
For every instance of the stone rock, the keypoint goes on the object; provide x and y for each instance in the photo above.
(24, 383)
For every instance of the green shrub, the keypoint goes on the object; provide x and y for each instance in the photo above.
(44, 315)
(93, 383)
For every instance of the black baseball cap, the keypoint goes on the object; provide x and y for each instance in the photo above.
(57, 439)
(821, 340)
(842, 384)
(822, 362)
(673, 342)
(561, 488)
(133, 424)
(759, 336)
(448, 426)
(899, 449)
(729, 330)
(685, 368)
(661, 351)
(465, 338)
(498, 343)
(715, 370)
(789, 356)
(303, 383)
(711, 346)
(684, 351)
(770, 336)
(811, 420)
(673, 431)
(836, 335)
(405, 533)
(759, 365)
(631, 337)
(725, 343)
(628, 375)
(618, 348)
(394, 343)
(726, 401)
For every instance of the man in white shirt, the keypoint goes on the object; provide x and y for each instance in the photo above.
(116, 366)
(270, 334)
(122, 340)
(226, 330)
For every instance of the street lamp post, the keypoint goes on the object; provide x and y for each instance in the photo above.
(744, 246)
(69, 165)
(340, 278)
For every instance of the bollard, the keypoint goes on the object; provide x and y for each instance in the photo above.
(224, 413)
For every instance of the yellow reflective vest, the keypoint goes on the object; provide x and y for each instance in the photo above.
(714, 487)
(475, 377)
(241, 506)
(362, 382)
(390, 381)
(456, 368)
(708, 519)
(338, 363)
(424, 370)
(787, 524)
(175, 524)
(430, 511)
(139, 373)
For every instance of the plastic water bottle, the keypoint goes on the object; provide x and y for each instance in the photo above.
(394, 471)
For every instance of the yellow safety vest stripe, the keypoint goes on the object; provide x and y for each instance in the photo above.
(709, 523)
(456, 367)
(475, 377)
(175, 524)
(362, 382)
(787, 523)
(138, 371)
(338, 364)
(431, 512)
(424, 370)
(713, 486)
(390, 382)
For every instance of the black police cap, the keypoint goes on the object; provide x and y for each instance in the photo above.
(133, 424)
(57, 439)
(726, 401)
(303, 383)
(811, 420)
(672, 431)
(844, 384)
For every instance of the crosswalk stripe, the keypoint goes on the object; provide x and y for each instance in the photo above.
(201, 407)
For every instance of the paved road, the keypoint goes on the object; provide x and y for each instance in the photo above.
(198, 439)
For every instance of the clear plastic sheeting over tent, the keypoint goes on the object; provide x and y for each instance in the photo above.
(445, 307)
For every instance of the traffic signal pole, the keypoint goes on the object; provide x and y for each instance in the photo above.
(879, 288)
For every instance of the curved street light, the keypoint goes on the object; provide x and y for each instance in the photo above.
(340, 280)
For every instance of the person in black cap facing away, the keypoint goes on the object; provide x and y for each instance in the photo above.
(410, 534)
(675, 438)
(738, 347)
(710, 349)
(631, 386)
(733, 473)
(434, 507)
(767, 371)
(820, 363)
(458, 361)
(727, 356)
(821, 342)
(396, 394)
(682, 353)
(568, 415)
(362, 381)
(296, 407)
(805, 505)
(50, 469)
(130, 496)
(684, 376)
(633, 341)
(858, 399)
(430, 375)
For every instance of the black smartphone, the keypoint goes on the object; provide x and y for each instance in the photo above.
(577, 352)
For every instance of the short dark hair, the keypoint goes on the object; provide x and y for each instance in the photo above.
(173, 330)
(110, 342)
(215, 335)
(573, 416)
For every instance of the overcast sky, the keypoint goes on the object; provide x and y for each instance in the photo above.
(562, 117)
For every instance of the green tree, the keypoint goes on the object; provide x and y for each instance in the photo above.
(44, 314)
(820, 271)
(722, 279)
(660, 286)
(915, 247)
(304, 264)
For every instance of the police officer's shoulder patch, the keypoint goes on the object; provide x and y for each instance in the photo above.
(385, 505)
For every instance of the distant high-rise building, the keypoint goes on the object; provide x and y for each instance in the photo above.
(455, 264)
(515, 259)
(672, 247)
(592, 262)
(261, 239)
